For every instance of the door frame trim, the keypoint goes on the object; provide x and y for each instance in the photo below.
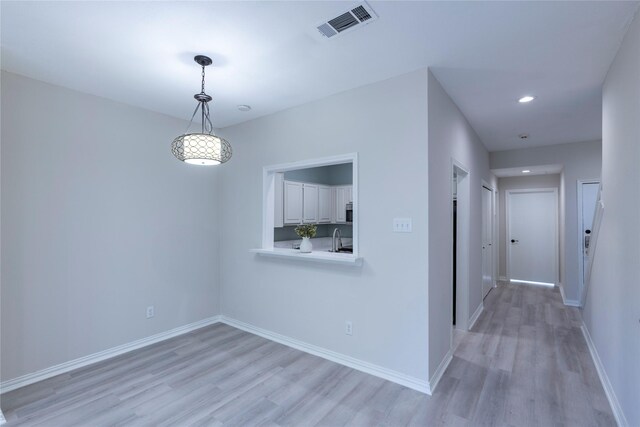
(493, 223)
(463, 249)
(580, 253)
(556, 261)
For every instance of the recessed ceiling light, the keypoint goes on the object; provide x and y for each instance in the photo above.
(244, 108)
(525, 99)
(523, 136)
(526, 171)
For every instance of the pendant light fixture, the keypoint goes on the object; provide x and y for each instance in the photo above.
(204, 148)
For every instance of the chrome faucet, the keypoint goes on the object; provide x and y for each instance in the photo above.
(334, 247)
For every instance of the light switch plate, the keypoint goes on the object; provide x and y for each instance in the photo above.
(402, 225)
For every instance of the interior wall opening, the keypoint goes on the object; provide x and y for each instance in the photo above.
(322, 196)
(319, 192)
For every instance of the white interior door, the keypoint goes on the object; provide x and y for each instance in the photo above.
(487, 236)
(587, 211)
(532, 235)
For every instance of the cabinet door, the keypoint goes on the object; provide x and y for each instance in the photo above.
(333, 205)
(310, 203)
(350, 194)
(292, 202)
(324, 204)
(341, 204)
(278, 200)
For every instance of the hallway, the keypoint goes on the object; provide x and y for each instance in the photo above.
(524, 363)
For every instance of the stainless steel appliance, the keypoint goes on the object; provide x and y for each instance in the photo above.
(349, 212)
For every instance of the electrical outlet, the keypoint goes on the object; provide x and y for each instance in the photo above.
(402, 225)
(348, 328)
(151, 311)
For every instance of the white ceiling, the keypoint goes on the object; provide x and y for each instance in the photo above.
(268, 55)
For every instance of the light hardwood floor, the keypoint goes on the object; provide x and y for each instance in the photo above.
(524, 363)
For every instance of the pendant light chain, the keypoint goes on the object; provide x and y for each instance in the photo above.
(202, 102)
(202, 91)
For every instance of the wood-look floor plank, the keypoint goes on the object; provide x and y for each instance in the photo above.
(342, 414)
(491, 403)
(436, 410)
(525, 363)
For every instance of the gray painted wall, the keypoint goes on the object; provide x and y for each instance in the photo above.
(517, 183)
(386, 298)
(99, 221)
(612, 309)
(451, 136)
(581, 160)
(328, 175)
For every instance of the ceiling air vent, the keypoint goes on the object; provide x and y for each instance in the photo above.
(347, 21)
(361, 13)
(343, 22)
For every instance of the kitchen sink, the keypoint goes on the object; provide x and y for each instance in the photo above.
(347, 250)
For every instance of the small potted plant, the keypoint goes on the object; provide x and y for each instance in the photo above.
(306, 231)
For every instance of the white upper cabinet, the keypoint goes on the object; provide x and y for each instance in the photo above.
(343, 195)
(292, 202)
(310, 203)
(325, 204)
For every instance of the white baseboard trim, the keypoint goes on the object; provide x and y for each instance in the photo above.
(2, 419)
(565, 301)
(62, 368)
(476, 315)
(604, 379)
(435, 379)
(360, 365)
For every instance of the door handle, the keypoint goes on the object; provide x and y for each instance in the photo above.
(587, 238)
(514, 241)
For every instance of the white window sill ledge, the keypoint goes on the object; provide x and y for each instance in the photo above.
(322, 257)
